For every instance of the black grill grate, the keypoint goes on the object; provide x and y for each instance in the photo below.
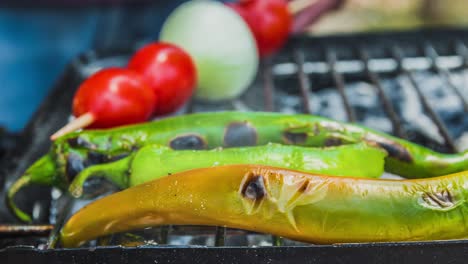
(300, 72)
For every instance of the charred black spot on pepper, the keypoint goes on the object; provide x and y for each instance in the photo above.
(300, 191)
(94, 158)
(393, 148)
(303, 187)
(294, 138)
(118, 157)
(135, 148)
(438, 200)
(188, 141)
(97, 185)
(332, 141)
(254, 188)
(239, 134)
(448, 195)
(75, 164)
(79, 142)
(396, 151)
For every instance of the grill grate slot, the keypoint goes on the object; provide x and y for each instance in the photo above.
(340, 84)
(462, 51)
(445, 74)
(398, 54)
(388, 107)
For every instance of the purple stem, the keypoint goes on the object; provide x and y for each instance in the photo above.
(312, 13)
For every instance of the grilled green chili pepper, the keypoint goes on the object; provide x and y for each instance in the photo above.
(154, 161)
(72, 153)
(292, 204)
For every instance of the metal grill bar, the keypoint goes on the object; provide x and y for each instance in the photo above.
(398, 55)
(64, 211)
(104, 240)
(277, 241)
(190, 106)
(462, 51)
(205, 231)
(388, 107)
(25, 230)
(220, 237)
(164, 235)
(340, 85)
(268, 86)
(445, 74)
(304, 83)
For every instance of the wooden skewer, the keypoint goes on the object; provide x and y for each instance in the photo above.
(307, 14)
(80, 122)
(296, 6)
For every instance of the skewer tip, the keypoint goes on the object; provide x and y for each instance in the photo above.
(78, 123)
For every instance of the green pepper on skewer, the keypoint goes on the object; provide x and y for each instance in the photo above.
(291, 204)
(234, 129)
(154, 161)
(72, 153)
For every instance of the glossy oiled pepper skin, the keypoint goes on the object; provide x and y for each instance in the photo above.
(292, 204)
(154, 161)
(74, 152)
(234, 129)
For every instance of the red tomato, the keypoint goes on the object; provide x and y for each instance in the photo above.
(115, 97)
(269, 20)
(170, 72)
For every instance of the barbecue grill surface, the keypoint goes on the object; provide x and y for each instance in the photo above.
(411, 84)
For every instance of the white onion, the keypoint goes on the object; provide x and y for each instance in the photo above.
(221, 44)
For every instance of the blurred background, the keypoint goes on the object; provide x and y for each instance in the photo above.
(378, 15)
(38, 38)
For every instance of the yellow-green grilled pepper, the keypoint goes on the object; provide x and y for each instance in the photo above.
(296, 205)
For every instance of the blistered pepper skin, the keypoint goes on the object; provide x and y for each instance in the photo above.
(305, 207)
(74, 152)
(154, 161)
(234, 129)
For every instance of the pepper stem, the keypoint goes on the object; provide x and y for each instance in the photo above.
(42, 172)
(116, 172)
(25, 180)
(296, 6)
(308, 12)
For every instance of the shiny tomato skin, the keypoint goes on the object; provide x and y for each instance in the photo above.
(269, 20)
(115, 97)
(170, 72)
